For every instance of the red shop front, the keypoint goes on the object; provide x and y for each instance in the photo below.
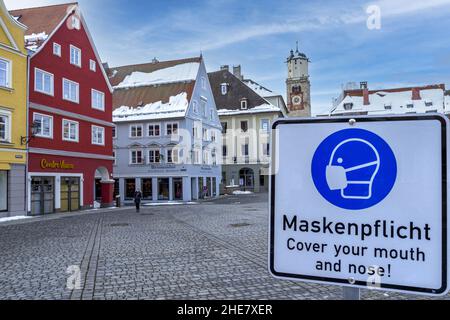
(67, 184)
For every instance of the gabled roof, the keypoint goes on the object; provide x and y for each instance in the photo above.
(43, 22)
(237, 90)
(153, 90)
(42, 19)
(118, 74)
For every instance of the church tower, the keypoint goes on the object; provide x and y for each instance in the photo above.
(298, 85)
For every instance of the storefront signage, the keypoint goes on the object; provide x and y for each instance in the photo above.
(60, 165)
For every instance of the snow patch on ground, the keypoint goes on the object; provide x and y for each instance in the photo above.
(171, 203)
(178, 73)
(236, 193)
(9, 219)
(176, 107)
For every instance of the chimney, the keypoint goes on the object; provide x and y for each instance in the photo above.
(225, 67)
(238, 72)
(366, 96)
(363, 85)
(416, 94)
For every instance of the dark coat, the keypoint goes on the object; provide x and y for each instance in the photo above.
(137, 197)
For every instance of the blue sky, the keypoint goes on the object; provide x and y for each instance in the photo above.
(411, 48)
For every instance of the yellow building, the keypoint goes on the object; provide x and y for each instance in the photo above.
(13, 115)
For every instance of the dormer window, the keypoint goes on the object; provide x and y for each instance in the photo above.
(428, 103)
(224, 89)
(387, 107)
(410, 106)
(244, 104)
(348, 106)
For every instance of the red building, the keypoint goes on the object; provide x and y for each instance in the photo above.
(70, 113)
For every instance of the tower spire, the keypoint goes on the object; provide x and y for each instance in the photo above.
(297, 47)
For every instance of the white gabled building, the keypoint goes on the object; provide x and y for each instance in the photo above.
(167, 141)
(409, 100)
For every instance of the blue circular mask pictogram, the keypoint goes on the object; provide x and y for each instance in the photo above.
(354, 169)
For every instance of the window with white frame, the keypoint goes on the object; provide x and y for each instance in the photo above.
(214, 157)
(71, 91)
(43, 81)
(196, 154)
(92, 65)
(70, 130)
(44, 125)
(154, 130)
(203, 83)
(204, 106)
(136, 156)
(98, 135)
(115, 158)
(5, 73)
(57, 49)
(205, 157)
(136, 131)
(195, 106)
(114, 132)
(75, 56)
(211, 114)
(244, 104)
(224, 89)
(5, 126)
(205, 134)
(172, 155)
(172, 129)
(213, 135)
(154, 156)
(266, 149)
(98, 100)
(265, 125)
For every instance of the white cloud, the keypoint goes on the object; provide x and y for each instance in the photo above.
(19, 4)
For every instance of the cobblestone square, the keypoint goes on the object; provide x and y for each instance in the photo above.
(210, 250)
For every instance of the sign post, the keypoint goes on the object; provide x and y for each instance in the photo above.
(361, 202)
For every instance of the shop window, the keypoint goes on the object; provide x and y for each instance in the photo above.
(130, 188)
(177, 188)
(163, 189)
(147, 189)
(3, 190)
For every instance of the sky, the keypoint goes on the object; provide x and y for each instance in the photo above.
(408, 45)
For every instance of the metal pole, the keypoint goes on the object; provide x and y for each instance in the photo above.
(351, 294)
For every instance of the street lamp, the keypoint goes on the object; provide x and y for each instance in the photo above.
(35, 126)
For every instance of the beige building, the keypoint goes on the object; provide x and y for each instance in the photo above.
(246, 119)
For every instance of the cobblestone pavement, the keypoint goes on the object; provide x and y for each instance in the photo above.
(213, 250)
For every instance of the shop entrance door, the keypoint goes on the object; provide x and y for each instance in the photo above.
(70, 194)
(42, 195)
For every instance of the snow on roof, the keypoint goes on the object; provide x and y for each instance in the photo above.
(381, 102)
(259, 109)
(178, 73)
(259, 89)
(33, 41)
(175, 108)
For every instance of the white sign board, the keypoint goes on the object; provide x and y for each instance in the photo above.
(361, 202)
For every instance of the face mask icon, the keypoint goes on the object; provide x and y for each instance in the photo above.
(352, 169)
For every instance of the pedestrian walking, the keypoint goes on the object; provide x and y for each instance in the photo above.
(137, 200)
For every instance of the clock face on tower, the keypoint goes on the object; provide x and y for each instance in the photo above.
(296, 100)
